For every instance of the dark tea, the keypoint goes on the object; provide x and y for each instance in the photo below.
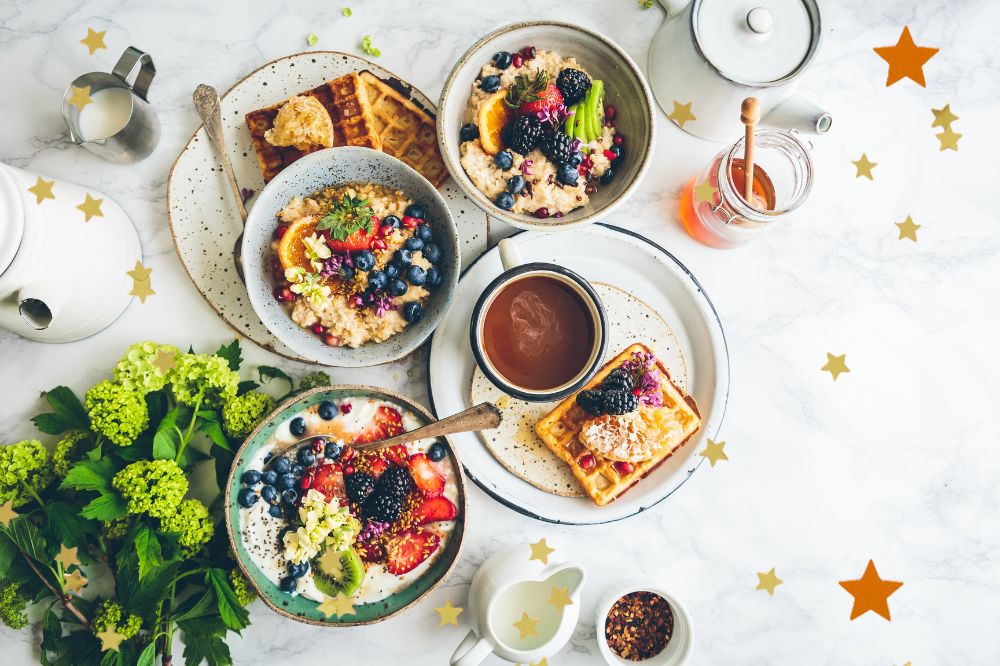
(538, 332)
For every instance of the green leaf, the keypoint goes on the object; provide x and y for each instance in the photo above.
(214, 432)
(232, 353)
(26, 535)
(142, 597)
(167, 437)
(90, 475)
(232, 613)
(51, 633)
(112, 657)
(8, 551)
(269, 372)
(203, 606)
(107, 506)
(156, 405)
(148, 656)
(67, 412)
(203, 642)
(63, 525)
(246, 386)
(147, 549)
(348, 216)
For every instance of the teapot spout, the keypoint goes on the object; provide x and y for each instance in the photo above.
(39, 303)
(569, 575)
(798, 113)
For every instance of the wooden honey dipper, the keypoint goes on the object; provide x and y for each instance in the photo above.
(749, 116)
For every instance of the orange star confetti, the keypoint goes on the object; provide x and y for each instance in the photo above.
(870, 592)
(906, 59)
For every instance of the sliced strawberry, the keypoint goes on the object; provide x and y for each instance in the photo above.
(387, 423)
(406, 551)
(378, 466)
(425, 475)
(359, 240)
(371, 551)
(399, 454)
(434, 510)
(329, 480)
(547, 100)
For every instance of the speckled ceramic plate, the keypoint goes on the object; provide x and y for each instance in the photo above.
(298, 607)
(203, 219)
(605, 254)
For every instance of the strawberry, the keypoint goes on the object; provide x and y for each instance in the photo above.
(387, 423)
(406, 551)
(547, 100)
(359, 240)
(425, 475)
(370, 551)
(378, 466)
(330, 481)
(529, 96)
(435, 509)
(398, 454)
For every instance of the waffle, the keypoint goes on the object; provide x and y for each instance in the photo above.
(407, 131)
(560, 430)
(345, 99)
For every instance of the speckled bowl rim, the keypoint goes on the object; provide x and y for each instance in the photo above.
(463, 499)
(528, 222)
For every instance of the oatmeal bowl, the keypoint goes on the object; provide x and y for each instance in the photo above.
(350, 257)
(546, 125)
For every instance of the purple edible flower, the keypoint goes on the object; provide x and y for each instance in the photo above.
(575, 146)
(646, 377)
(383, 303)
(526, 167)
(245, 194)
(332, 266)
(372, 530)
(555, 116)
(356, 300)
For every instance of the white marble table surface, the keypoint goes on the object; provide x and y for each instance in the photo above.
(896, 461)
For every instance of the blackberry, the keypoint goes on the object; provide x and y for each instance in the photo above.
(619, 402)
(617, 380)
(591, 402)
(573, 84)
(558, 147)
(525, 134)
(395, 481)
(383, 508)
(359, 486)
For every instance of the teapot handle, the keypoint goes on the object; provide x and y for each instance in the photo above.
(471, 651)
(673, 7)
(133, 59)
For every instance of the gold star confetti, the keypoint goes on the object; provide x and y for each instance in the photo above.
(7, 513)
(705, 192)
(835, 365)
(560, 597)
(449, 614)
(906, 59)
(141, 286)
(540, 551)
(90, 207)
(528, 626)
(864, 166)
(908, 229)
(543, 662)
(110, 639)
(75, 581)
(943, 117)
(94, 40)
(714, 452)
(80, 97)
(163, 360)
(870, 592)
(768, 581)
(339, 606)
(42, 189)
(681, 114)
(949, 139)
(67, 556)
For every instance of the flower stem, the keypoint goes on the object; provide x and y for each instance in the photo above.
(66, 599)
(32, 492)
(190, 429)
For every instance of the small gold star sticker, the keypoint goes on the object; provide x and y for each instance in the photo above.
(90, 207)
(449, 614)
(908, 229)
(714, 452)
(339, 606)
(163, 360)
(681, 114)
(7, 513)
(560, 597)
(94, 40)
(80, 97)
(835, 365)
(528, 626)
(141, 286)
(705, 192)
(949, 139)
(67, 556)
(75, 581)
(540, 551)
(110, 639)
(42, 189)
(864, 167)
(943, 117)
(543, 662)
(768, 581)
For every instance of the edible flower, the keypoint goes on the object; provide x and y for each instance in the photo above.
(310, 285)
(324, 524)
(646, 378)
(555, 116)
(526, 167)
(316, 250)
(383, 304)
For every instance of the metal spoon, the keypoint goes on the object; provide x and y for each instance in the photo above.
(206, 101)
(483, 416)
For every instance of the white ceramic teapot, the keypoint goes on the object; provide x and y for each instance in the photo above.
(63, 268)
(711, 54)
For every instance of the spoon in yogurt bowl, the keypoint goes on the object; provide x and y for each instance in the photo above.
(483, 416)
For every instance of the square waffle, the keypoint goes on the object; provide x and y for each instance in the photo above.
(344, 98)
(407, 131)
(560, 431)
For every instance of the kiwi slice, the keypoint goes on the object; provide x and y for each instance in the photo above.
(338, 573)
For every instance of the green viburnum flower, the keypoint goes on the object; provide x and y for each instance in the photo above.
(116, 412)
(109, 615)
(69, 450)
(12, 605)
(155, 487)
(137, 371)
(192, 523)
(25, 471)
(245, 593)
(242, 413)
(369, 48)
(313, 380)
(205, 375)
(115, 529)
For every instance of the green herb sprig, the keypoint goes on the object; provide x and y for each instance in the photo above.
(348, 216)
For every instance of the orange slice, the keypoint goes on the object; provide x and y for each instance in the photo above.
(493, 115)
(291, 249)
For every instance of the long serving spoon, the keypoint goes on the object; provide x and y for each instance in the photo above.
(206, 101)
(483, 416)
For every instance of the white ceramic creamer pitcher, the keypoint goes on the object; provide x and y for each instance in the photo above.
(521, 609)
(711, 54)
(65, 253)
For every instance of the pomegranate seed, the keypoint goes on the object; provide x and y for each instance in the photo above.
(528, 52)
(337, 467)
(410, 222)
(283, 293)
(347, 454)
(542, 213)
(279, 231)
(386, 231)
(376, 220)
(379, 244)
(319, 445)
(623, 467)
(330, 340)
(637, 392)
(318, 328)
(587, 461)
(345, 407)
(610, 154)
(348, 470)
(610, 112)
(517, 61)
(619, 139)
(306, 482)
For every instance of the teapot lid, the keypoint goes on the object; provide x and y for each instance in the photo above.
(756, 43)
(11, 218)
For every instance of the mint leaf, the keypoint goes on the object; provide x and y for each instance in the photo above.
(233, 354)
(348, 216)
(232, 613)
(147, 548)
(167, 437)
(67, 413)
(90, 475)
(203, 642)
(107, 506)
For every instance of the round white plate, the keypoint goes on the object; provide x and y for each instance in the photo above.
(203, 217)
(601, 253)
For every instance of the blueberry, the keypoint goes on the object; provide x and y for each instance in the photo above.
(617, 150)
(286, 481)
(275, 511)
(437, 452)
(608, 176)
(269, 494)
(282, 532)
(298, 471)
(397, 287)
(297, 426)
(327, 410)
(414, 210)
(502, 60)
(289, 496)
(269, 478)
(267, 458)
(391, 221)
(413, 244)
(348, 272)
(432, 253)
(505, 200)
(247, 498)
(251, 477)
(332, 450)
(402, 257)
(364, 260)
(298, 570)
(416, 275)
(391, 271)
(576, 159)
(504, 160)
(413, 312)
(282, 465)
(288, 584)
(376, 280)
(424, 232)
(515, 184)
(434, 277)
(306, 456)
(490, 83)
(567, 175)
(469, 132)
